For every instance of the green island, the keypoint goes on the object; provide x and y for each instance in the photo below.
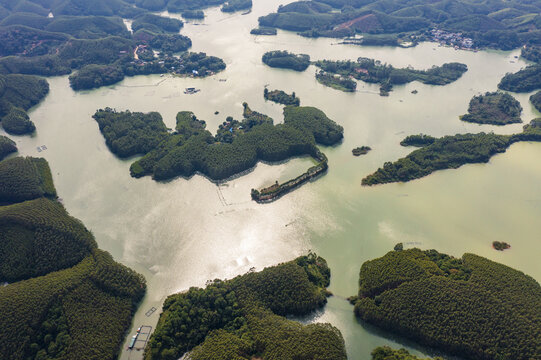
(525, 80)
(361, 150)
(7, 146)
(494, 108)
(18, 93)
(535, 99)
(286, 60)
(281, 97)
(462, 24)
(182, 6)
(500, 245)
(65, 298)
(244, 318)
(450, 152)
(387, 353)
(337, 74)
(237, 146)
(336, 81)
(464, 306)
(418, 140)
(95, 44)
(237, 5)
(263, 31)
(193, 14)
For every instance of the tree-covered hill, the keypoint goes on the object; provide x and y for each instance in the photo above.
(243, 318)
(524, 80)
(286, 60)
(497, 24)
(7, 146)
(66, 299)
(450, 152)
(495, 108)
(386, 353)
(471, 307)
(536, 100)
(25, 179)
(237, 147)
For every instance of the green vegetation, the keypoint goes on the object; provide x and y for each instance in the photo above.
(500, 245)
(286, 60)
(525, 80)
(238, 145)
(156, 24)
(281, 97)
(418, 140)
(128, 134)
(193, 14)
(66, 298)
(495, 108)
(25, 179)
(463, 306)
(382, 22)
(536, 100)
(17, 122)
(243, 318)
(448, 152)
(263, 31)
(386, 353)
(373, 71)
(362, 150)
(94, 76)
(21, 91)
(7, 146)
(532, 53)
(236, 5)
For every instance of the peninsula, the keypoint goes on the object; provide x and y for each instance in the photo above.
(245, 318)
(439, 301)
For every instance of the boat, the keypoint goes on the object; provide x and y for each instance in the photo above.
(132, 341)
(191, 90)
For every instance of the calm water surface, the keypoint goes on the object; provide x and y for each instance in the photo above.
(182, 232)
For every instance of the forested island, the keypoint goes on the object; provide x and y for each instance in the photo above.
(536, 100)
(467, 25)
(263, 31)
(7, 146)
(337, 74)
(65, 298)
(18, 93)
(450, 152)
(361, 150)
(500, 245)
(281, 97)
(418, 140)
(525, 80)
(95, 43)
(386, 353)
(244, 318)
(286, 60)
(494, 108)
(464, 306)
(237, 146)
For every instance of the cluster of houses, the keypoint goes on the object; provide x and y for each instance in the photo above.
(451, 38)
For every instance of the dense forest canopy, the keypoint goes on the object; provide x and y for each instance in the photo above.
(536, 100)
(66, 298)
(465, 306)
(286, 60)
(498, 24)
(525, 80)
(449, 152)
(243, 318)
(281, 97)
(7, 146)
(237, 146)
(386, 353)
(495, 108)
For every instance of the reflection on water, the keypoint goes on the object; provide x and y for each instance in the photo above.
(183, 232)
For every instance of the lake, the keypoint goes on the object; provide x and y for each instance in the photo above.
(183, 232)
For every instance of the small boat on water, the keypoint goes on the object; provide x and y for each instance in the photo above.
(132, 341)
(191, 90)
